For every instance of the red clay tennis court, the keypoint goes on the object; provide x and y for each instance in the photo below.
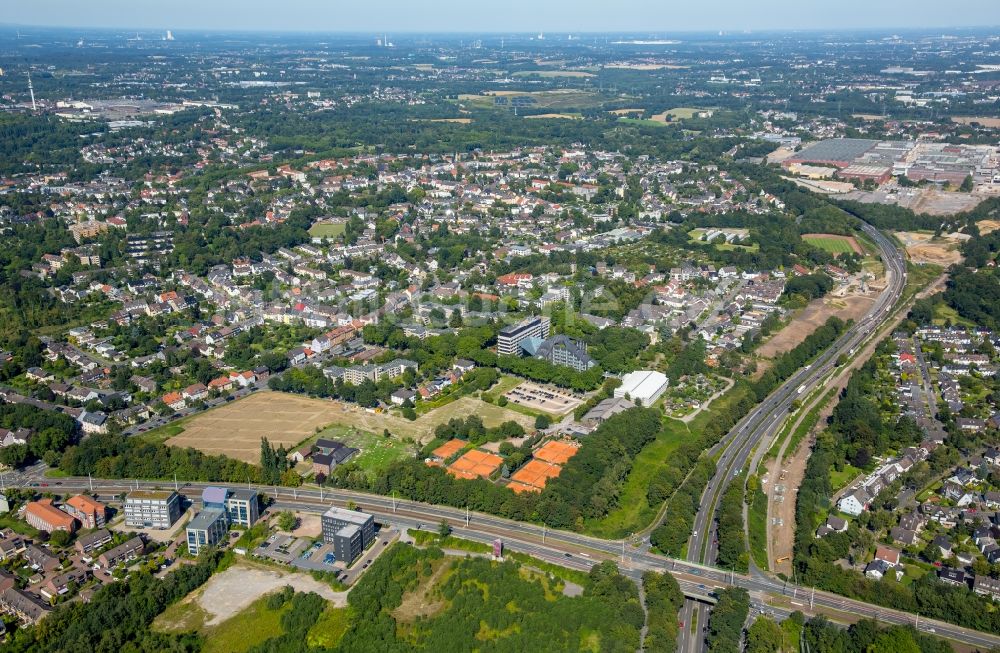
(475, 464)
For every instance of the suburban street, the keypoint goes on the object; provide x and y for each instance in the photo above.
(698, 579)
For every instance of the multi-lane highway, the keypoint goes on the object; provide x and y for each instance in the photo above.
(757, 428)
(579, 551)
(565, 548)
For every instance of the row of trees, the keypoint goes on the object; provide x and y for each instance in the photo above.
(310, 380)
(541, 370)
(809, 286)
(732, 539)
(274, 466)
(664, 600)
(794, 359)
(472, 429)
(725, 624)
(819, 634)
(670, 536)
(116, 456)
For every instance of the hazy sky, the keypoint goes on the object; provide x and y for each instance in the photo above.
(502, 15)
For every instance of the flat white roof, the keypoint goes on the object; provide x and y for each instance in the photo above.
(643, 385)
(350, 516)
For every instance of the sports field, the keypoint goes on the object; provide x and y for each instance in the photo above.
(236, 428)
(327, 230)
(834, 243)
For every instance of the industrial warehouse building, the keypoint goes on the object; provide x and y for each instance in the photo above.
(644, 386)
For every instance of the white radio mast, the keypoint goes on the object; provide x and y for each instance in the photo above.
(31, 90)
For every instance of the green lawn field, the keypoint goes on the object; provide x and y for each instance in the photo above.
(833, 244)
(377, 451)
(326, 230)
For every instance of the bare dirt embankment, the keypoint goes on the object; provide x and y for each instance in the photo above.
(988, 226)
(924, 248)
(813, 316)
(789, 472)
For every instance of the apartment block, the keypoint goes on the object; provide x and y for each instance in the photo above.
(90, 512)
(44, 516)
(349, 531)
(208, 528)
(152, 508)
(510, 338)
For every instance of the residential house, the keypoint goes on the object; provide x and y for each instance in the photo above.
(11, 544)
(174, 400)
(903, 536)
(130, 550)
(330, 453)
(854, 503)
(195, 392)
(94, 422)
(92, 541)
(986, 586)
(877, 569)
(20, 603)
(59, 585)
(40, 558)
(952, 576)
(401, 396)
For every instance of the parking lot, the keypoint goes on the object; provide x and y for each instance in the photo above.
(544, 398)
(384, 538)
(304, 553)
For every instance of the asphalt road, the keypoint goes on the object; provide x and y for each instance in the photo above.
(583, 551)
(762, 423)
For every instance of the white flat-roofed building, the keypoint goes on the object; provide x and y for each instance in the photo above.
(644, 386)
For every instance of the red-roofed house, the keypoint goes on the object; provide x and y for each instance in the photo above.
(174, 400)
(221, 384)
(515, 279)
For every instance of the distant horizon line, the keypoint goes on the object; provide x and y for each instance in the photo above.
(522, 32)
